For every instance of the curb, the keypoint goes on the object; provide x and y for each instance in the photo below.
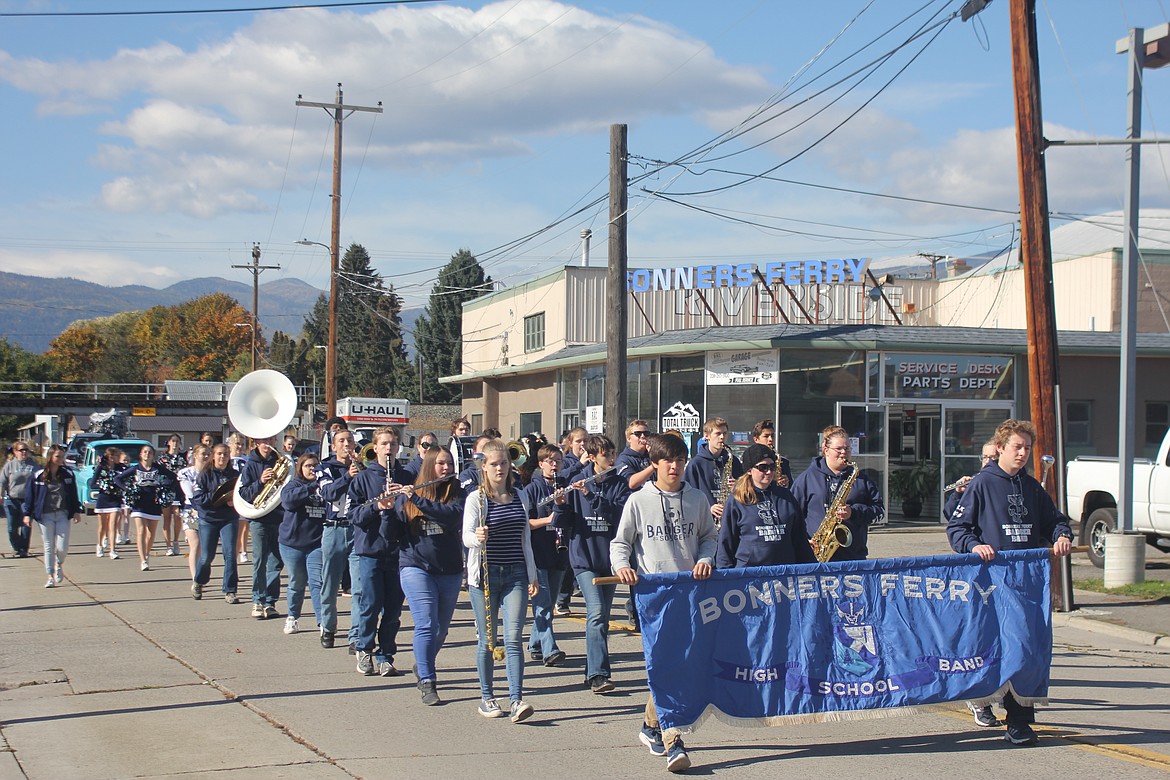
(1159, 642)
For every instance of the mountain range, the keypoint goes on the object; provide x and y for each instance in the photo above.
(35, 309)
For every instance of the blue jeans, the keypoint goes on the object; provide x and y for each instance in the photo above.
(304, 567)
(541, 637)
(55, 536)
(19, 534)
(377, 602)
(598, 603)
(355, 586)
(508, 585)
(266, 563)
(210, 535)
(432, 600)
(336, 542)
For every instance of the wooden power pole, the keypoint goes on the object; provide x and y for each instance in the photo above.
(1036, 243)
(256, 270)
(615, 322)
(340, 112)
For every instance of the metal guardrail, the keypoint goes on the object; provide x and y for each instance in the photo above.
(101, 391)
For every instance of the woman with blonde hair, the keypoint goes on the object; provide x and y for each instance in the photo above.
(188, 477)
(762, 523)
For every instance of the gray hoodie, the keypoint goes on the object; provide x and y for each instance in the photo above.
(14, 477)
(664, 532)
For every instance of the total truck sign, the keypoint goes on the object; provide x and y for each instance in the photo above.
(374, 411)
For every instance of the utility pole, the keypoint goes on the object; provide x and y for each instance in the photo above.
(256, 270)
(340, 112)
(615, 324)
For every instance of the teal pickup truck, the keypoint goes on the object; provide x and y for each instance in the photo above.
(93, 453)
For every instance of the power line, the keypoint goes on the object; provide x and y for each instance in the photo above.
(194, 11)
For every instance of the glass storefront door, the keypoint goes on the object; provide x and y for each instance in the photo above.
(965, 430)
(866, 425)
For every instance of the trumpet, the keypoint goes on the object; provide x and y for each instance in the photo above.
(552, 496)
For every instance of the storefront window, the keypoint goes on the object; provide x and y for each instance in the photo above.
(569, 391)
(812, 382)
(593, 385)
(681, 395)
(642, 391)
(741, 388)
(937, 377)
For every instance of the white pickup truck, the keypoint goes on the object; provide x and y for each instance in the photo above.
(1092, 484)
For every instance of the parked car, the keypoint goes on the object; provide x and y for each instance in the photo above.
(75, 449)
(1092, 487)
(93, 453)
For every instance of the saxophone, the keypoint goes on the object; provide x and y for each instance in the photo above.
(722, 477)
(834, 534)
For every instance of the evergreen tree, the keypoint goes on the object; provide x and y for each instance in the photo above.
(439, 332)
(371, 358)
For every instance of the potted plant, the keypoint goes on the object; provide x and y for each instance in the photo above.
(913, 485)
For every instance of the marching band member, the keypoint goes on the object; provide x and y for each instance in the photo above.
(174, 461)
(547, 552)
(764, 432)
(495, 526)
(1005, 508)
(469, 477)
(818, 485)
(217, 523)
(644, 541)
(712, 460)
(337, 556)
(147, 488)
(590, 517)
(50, 498)
(989, 455)
(238, 452)
(187, 476)
(633, 463)
(108, 503)
(425, 442)
(762, 523)
(573, 445)
(431, 559)
(266, 562)
(299, 537)
(377, 590)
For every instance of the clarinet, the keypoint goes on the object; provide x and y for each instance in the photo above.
(497, 652)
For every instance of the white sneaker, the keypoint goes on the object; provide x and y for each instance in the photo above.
(243, 557)
(146, 565)
(59, 576)
(176, 548)
(170, 553)
(49, 583)
(99, 552)
(114, 554)
(290, 625)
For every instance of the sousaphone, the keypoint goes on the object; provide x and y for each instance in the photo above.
(261, 405)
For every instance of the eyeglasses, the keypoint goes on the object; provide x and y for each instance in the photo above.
(639, 434)
(989, 457)
(841, 450)
(765, 468)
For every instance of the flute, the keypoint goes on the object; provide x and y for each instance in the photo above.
(552, 496)
(430, 482)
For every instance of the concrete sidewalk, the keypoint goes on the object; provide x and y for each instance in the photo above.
(119, 673)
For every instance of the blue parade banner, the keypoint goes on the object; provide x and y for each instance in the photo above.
(838, 641)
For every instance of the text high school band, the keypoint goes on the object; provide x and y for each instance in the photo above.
(581, 515)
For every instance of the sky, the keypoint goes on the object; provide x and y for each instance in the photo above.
(148, 149)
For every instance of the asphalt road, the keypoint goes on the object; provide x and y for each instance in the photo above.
(119, 673)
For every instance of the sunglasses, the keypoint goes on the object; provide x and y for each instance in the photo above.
(430, 445)
(20, 449)
(765, 468)
(639, 434)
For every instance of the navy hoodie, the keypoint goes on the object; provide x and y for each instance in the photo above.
(437, 548)
(629, 463)
(304, 512)
(701, 470)
(1007, 512)
(468, 478)
(375, 531)
(147, 489)
(769, 532)
(544, 540)
(814, 490)
(250, 484)
(333, 477)
(205, 486)
(591, 519)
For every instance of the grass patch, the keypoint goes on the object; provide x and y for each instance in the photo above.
(1150, 589)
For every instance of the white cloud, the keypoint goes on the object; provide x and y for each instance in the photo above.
(99, 267)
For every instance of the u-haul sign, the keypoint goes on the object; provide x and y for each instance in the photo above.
(376, 411)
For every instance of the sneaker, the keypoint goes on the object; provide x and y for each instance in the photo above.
(676, 758)
(145, 566)
(230, 598)
(258, 611)
(49, 583)
(290, 625)
(386, 669)
(327, 638)
(536, 655)
(59, 576)
(554, 658)
(352, 649)
(1020, 734)
(196, 591)
(561, 610)
(365, 663)
(170, 553)
(983, 715)
(520, 710)
(600, 684)
(270, 612)
(652, 739)
(100, 551)
(489, 709)
(243, 557)
(430, 696)
(114, 554)
(175, 548)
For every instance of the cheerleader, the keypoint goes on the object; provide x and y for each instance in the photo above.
(123, 521)
(431, 560)
(108, 503)
(147, 488)
(188, 476)
(217, 523)
(495, 532)
(299, 538)
(762, 523)
(174, 461)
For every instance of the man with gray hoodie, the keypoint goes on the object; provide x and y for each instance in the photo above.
(666, 526)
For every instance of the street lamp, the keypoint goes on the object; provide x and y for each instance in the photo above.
(331, 347)
(253, 329)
